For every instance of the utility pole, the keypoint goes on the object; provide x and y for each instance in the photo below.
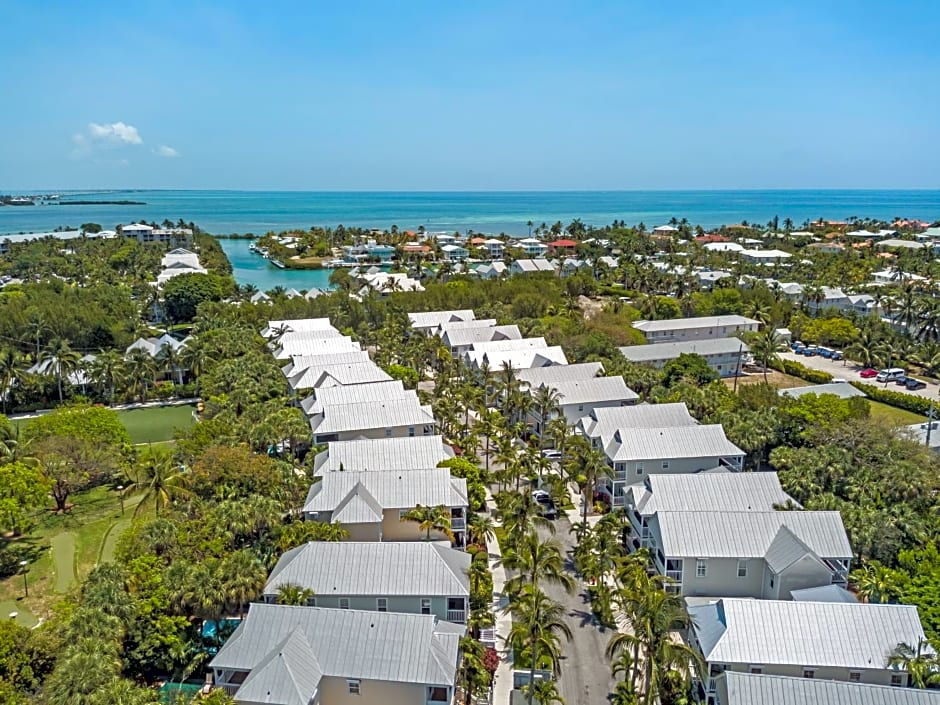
(929, 424)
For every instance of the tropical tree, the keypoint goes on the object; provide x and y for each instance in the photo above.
(535, 561)
(292, 594)
(12, 372)
(547, 401)
(140, 369)
(60, 361)
(161, 479)
(538, 626)
(764, 346)
(107, 373)
(920, 662)
(431, 519)
(170, 360)
(877, 583)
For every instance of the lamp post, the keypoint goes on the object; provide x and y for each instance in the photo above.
(120, 491)
(23, 565)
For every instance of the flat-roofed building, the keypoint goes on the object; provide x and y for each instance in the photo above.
(724, 355)
(700, 328)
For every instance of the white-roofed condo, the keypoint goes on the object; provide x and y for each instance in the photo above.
(735, 688)
(285, 655)
(418, 453)
(820, 640)
(724, 355)
(701, 328)
(372, 505)
(415, 577)
(760, 554)
(578, 397)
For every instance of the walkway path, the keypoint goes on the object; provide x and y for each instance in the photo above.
(502, 684)
(63, 560)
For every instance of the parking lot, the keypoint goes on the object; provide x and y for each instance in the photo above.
(849, 370)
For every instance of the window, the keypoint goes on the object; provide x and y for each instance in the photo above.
(388, 433)
(353, 686)
(757, 670)
(665, 465)
(344, 603)
(381, 604)
(742, 569)
(411, 431)
(311, 602)
(436, 694)
(701, 568)
(809, 672)
(639, 468)
(425, 605)
(897, 679)
(580, 407)
(855, 676)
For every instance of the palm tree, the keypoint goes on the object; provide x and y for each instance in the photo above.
(291, 594)
(107, 372)
(431, 519)
(161, 479)
(140, 370)
(11, 373)
(876, 583)
(244, 578)
(480, 528)
(865, 347)
(537, 627)
(60, 361)
(548, 402)
(764, 347)
(170, 360)
(520, 515)
(534, 562)
(920, 662)
(545, 691)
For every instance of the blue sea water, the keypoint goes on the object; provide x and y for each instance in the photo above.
(251, 268)
(224, 212)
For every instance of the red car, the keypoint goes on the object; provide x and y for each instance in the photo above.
(868, 373)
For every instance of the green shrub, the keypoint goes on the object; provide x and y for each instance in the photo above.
(919, 405)
(796, 369)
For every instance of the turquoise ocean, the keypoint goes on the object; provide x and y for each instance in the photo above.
(225, 212)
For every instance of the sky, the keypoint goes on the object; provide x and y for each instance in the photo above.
(422, 95)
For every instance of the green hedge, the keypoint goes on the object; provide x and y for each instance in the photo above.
(910, 402)
(797, 369)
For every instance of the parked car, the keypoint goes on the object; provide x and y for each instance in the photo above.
(837, 355)
(545, 501)
(890, 374)
(914, 383)
(551, 454)
(868, 373)
(901, 381)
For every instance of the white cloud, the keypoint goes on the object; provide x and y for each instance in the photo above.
(117, 132)
(165, 151)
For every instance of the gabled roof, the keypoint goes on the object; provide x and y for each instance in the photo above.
(533, 265)
(390, 413)
(506, 345)
(288, 675)
(707, 441)
(843, 390)
(602, 423)
(296, 347)
(593, 390)
(752, 534)
(372, 392)
(335, 374)
(756, 689)
(413, 453)
(344, 568)
(299, 363)
(517, 359)
(693, 323)
(560, 373)
(824, 593)
(432, 319)
(380, 646)
(704, 492)
(358, 507)
(670, 351)
(466, 336)
(388, 489)
(813, 634)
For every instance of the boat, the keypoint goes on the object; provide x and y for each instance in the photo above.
(277, 263)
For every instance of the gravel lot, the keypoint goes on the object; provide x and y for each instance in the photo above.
(849, 371)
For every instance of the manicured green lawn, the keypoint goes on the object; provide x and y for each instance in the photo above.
(156, 424)
(894, 416)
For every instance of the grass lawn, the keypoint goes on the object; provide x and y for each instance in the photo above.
(894, 416)
(778, 379)
(65, 548)
(156, 424)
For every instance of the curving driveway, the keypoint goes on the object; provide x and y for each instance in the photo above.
(849, 370)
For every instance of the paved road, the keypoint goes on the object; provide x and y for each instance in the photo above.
(585, 671)
(849, 370)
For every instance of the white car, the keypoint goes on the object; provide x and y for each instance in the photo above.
(551, 454)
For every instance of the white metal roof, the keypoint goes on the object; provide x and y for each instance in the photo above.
(417, 453)
(706, 441)
(670, 351)
(534, 265)
(466, 336)
(843, 390)
(419, 568)
(750, 534)
(433, 319)
(296, 325)
(334, 374)
(371, 415)
(560, 373)
(299, 363)
(389, 489)
(379, 646)
(709, 492)
(361, 393)
(693, 323)
(313, 346)
(806, 634)
(508, 345)
(602, 423)
(823, 593)
(592, 390)
(754, 689)
(518, 359)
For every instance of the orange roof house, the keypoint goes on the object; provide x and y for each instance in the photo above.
(562, 244)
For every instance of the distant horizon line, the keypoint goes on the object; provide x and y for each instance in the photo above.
(50, 190)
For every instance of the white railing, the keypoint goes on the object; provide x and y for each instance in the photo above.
(458, 523)
(458, 616)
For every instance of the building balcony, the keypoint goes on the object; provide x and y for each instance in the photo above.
(458, 523)
(457, 616)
